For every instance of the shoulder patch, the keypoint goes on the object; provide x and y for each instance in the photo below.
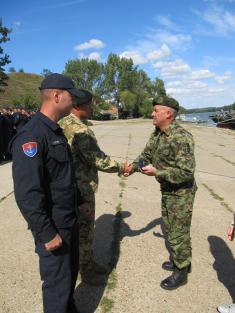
(30, 148)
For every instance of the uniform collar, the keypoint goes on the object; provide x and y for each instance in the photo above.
(54, 126)
(83, 121)
(171, 126)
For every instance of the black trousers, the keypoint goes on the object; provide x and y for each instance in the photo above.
(59, 270)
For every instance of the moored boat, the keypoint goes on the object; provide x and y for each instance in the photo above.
(229, 123)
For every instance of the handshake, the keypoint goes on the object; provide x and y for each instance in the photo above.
(127, 169)
(144, 168)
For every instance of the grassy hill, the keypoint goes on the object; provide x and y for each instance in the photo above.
(20, 86)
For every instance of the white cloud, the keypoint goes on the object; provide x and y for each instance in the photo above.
(166, 22)
(93, 43)
(176, 40)
(136, 56)
(186, 88)
(201, 74)
(94, 56)
(223, 22)
(187, 84)
(174, 83)
(178, 91)
(221, 79)
(160, 53)
(174, 68)
(194, 92)
(156, 44)
(61, 5)
(17, 23)
(140, 57)
(214, 90)
(197, 85)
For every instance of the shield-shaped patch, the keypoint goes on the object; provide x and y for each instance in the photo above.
(30, 149)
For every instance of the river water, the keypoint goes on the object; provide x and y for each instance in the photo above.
(200, 118)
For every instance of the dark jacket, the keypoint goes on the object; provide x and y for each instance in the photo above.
(43, 177)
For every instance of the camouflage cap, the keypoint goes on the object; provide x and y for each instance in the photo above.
(166, 101)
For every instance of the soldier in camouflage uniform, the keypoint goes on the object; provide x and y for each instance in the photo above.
(88, 159)
(169, 156)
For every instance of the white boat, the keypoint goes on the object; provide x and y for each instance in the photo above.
(181, 117)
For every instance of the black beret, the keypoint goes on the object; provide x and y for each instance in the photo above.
(86, 98)
(59, 81)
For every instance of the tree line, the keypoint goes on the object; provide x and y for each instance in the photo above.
(116, 82)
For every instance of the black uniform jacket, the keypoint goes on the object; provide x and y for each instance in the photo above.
(43, 177)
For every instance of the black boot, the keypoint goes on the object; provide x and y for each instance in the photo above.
(178, 278)
(170, 266)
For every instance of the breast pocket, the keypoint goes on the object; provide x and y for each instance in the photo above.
(58, 161)
(58, 151)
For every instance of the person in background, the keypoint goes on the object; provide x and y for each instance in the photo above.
(88, 159)
(229, 308)
(44, 188)
(169, 157)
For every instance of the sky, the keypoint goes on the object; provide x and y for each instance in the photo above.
(188, 44)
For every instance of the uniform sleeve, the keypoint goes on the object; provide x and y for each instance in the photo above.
(87, 148)
(146, 154)
(184, 166)
(29, 177)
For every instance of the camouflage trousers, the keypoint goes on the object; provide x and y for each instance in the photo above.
(86, 236)
(176, 216)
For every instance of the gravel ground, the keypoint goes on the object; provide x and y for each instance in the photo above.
(134, 284)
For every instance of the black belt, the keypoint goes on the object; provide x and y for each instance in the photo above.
(168, 187)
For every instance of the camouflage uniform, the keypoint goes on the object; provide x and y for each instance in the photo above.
(88, 159)
(171, 152)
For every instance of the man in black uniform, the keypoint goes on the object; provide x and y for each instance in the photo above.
(8, 132)
(1, 137)
(44, 191)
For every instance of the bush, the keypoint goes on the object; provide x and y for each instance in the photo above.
(104, 106)
(27, 100)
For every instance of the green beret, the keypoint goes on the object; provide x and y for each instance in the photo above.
(166, 101)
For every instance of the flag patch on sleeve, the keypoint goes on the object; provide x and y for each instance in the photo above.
(30, 149)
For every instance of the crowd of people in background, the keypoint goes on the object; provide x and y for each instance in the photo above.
(11, 119)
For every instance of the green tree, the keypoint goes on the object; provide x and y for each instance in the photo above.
(12, 70)
(119, 76)
(142, 89)
(46, 72)
(118, 80)
(159, 87)
(21, 70)
(127, 103)
(4, 58)
(182, 110)
(146, 108)
(87, 74)
(111, 75)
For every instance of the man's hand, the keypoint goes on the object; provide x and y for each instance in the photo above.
(54, 244)
(86, 210)
(149, 170)
(230, 233)
(128, 170)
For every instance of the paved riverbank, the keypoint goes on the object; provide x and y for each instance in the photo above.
(134, 240)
